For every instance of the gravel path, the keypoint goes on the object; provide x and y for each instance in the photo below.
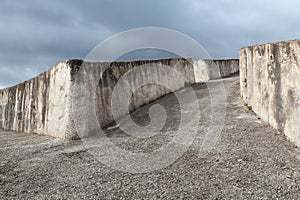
(251, 161)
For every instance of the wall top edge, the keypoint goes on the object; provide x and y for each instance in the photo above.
(271, 43)
(78, 62)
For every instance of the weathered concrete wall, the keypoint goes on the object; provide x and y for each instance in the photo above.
(101, 80)
(46, 104)
(270, 84)
(205, 70)
(39, 105)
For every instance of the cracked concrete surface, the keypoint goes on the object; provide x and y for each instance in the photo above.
(251, 161)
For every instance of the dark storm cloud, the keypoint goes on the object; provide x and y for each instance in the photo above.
(35, 35)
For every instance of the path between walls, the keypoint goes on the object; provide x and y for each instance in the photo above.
(251, 161)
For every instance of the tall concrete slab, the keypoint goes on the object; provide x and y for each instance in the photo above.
(270, 84)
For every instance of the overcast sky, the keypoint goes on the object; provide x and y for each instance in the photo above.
(35, 35)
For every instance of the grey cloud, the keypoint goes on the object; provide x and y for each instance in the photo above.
(35, 35)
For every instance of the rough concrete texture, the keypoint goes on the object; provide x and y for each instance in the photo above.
(205, 70)
(270, 84)
(39, 105)
(101, 80)
(46, 104)
(251, 161)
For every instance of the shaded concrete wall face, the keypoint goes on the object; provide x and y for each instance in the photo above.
(101, 79)
(270, 84)
(46, 104)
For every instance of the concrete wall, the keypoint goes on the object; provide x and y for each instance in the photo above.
(101, 80)
(48, 103)
(270, 84)
(39, 105)
(205, 70)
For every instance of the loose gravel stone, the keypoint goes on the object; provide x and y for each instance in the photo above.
(251, 161)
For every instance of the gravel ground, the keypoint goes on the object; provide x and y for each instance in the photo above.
(251, 161)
